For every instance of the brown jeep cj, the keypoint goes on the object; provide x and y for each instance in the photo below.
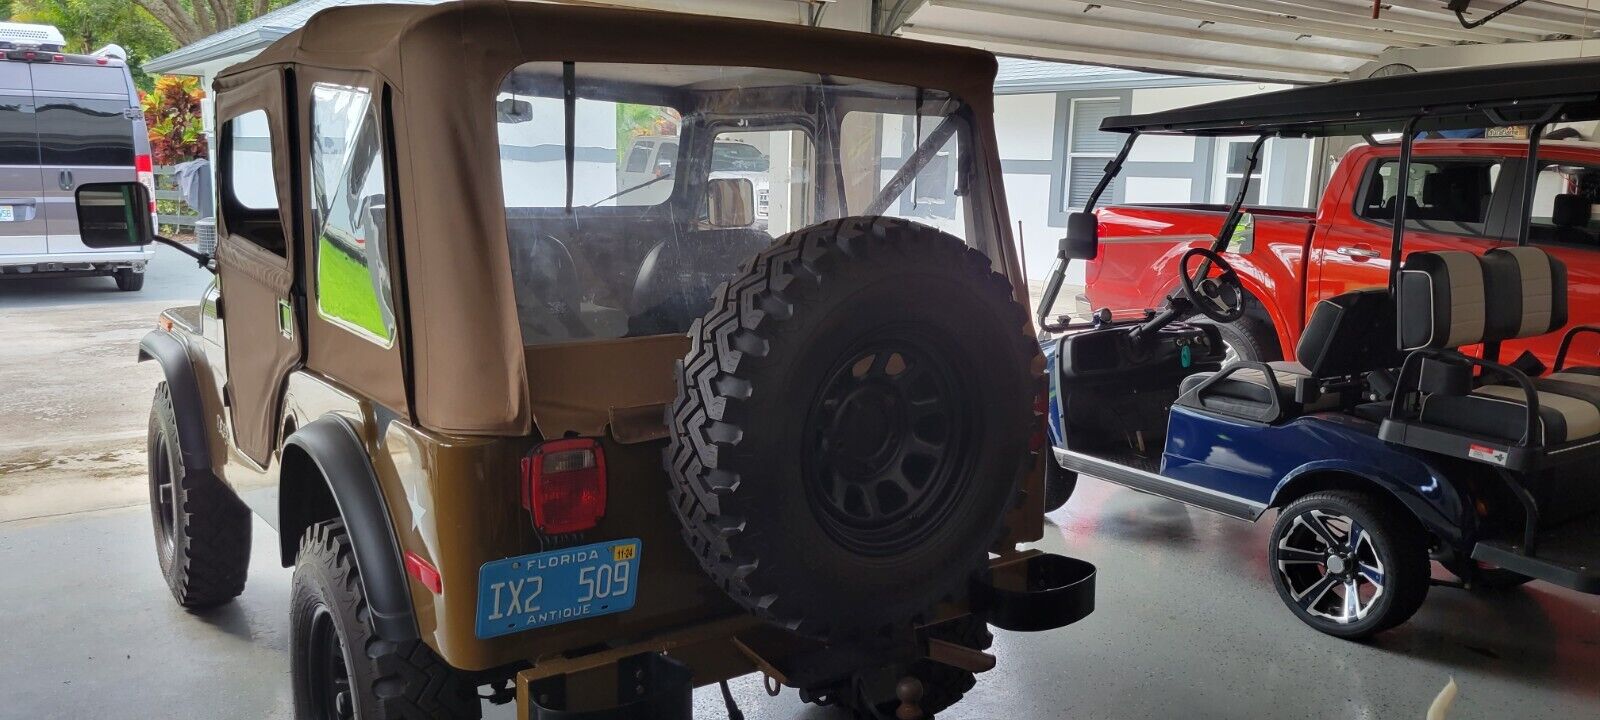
(527, 428)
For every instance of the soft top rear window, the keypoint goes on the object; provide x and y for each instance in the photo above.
(640, 250)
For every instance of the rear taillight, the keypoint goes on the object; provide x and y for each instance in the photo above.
(147, 176)
(564, 485)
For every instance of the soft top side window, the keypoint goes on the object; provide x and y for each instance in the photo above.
(249, 190)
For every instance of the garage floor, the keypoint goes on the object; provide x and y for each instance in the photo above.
(1188, 625)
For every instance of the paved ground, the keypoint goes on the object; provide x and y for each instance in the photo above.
(1187, 626)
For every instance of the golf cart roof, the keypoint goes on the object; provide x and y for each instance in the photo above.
(1477, 97)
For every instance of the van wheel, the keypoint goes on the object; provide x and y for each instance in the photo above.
(1059, 484)
(852, 426)
(1248, 338)
(870, 695)
(1348, 564)
(339, 667)
(202, 530)
(128, 280)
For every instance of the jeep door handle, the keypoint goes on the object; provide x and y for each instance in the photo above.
(1359, 253)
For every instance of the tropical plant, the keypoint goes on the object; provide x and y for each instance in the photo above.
(172, 112)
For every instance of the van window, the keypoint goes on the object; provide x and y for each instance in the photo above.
(248, 192)
(639, 159)
(19, 143)
(1444, 195)
(107, 80)
(77, 131)
(349, 211)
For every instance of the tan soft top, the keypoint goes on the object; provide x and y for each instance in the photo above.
(444, 65)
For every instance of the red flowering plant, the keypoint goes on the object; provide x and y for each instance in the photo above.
(172, 112)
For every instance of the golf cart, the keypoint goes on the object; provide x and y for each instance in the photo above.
(1399, 436)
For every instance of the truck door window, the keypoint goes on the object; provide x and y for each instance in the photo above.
(350, 212)
(1564, 206)
(1449, 196)
(248, 193)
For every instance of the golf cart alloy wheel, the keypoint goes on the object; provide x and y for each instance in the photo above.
(1330, 566)
(889, 444)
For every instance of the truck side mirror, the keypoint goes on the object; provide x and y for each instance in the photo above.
(1082, 241)
(115, 215)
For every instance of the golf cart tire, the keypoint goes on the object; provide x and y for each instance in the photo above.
(1401, 543)
(754, 433)
(387, 680)
(202, 531)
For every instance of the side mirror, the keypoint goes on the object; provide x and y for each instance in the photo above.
(1082, 241)
(115, 215)
(730, 203)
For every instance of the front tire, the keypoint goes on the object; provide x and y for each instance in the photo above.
(339, 667)
(1348, 564)
(128, 280)
(1249, 338)
(202, 529)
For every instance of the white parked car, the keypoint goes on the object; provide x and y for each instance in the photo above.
(651, 158)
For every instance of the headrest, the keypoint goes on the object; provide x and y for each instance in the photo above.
(1441, 303)
(1436, 189)
(1571, 211)
(1526, 290)
(1350, 334)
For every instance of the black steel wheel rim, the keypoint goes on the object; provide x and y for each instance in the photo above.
(887, 443)
(327, 673)
(165, 476)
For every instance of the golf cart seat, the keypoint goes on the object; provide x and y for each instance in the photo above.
(1343, 340)
(1450, 299)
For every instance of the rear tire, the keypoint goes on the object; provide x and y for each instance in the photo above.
(1059, 484)
(1316, 563)
(202, 529)
(128, 280)
(852, 425)
(339, 667)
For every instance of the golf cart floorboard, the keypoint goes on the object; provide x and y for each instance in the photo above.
(1567, 555)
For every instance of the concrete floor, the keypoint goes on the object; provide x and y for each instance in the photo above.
(1187, 626)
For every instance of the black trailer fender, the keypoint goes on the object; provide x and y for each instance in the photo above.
(184, 385)
(331, 448)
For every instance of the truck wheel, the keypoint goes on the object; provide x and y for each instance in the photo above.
(871, 695)
(1248, 338)
(202, 530)
(1059, 484)
(852, 425)
(1348, 564)
(128, 280)
(339, 667)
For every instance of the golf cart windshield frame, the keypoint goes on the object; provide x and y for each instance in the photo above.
(1524, 94)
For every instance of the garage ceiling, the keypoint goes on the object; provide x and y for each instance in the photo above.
(1309, 41)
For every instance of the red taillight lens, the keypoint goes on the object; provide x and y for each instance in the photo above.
(146, 171)
(564, 485)
(58, 58)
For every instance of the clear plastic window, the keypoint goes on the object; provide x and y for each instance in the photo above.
(736, 157)
(250, 170)
(349, 211)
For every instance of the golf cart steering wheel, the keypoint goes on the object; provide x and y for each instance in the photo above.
(1220, 298)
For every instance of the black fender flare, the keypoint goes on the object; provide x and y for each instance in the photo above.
(183, 384)
(334, 447)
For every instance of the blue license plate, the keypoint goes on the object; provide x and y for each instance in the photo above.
(550, 588)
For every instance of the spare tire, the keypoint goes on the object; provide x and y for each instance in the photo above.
(852, 425)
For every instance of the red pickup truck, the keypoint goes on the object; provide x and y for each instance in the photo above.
(1464, 195)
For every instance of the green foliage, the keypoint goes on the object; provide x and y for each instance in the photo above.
(89, 25)
(172, 112)
(635, 120)
(344, 289)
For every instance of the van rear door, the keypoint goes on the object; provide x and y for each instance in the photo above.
(22, 224)
(85, 118)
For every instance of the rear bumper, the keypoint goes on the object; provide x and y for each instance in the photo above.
(89, 263)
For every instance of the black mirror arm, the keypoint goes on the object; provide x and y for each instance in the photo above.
(200, 258)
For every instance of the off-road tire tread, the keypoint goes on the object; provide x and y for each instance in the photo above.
(705, 416)
(212, 541)
(408, 679)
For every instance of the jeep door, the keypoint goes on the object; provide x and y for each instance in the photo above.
(22, 226)
(256, 257)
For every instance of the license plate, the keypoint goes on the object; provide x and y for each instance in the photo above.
(8, 213)
(550, 588)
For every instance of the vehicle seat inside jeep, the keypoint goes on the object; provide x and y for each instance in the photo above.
(1348, 335)
(676, 280)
